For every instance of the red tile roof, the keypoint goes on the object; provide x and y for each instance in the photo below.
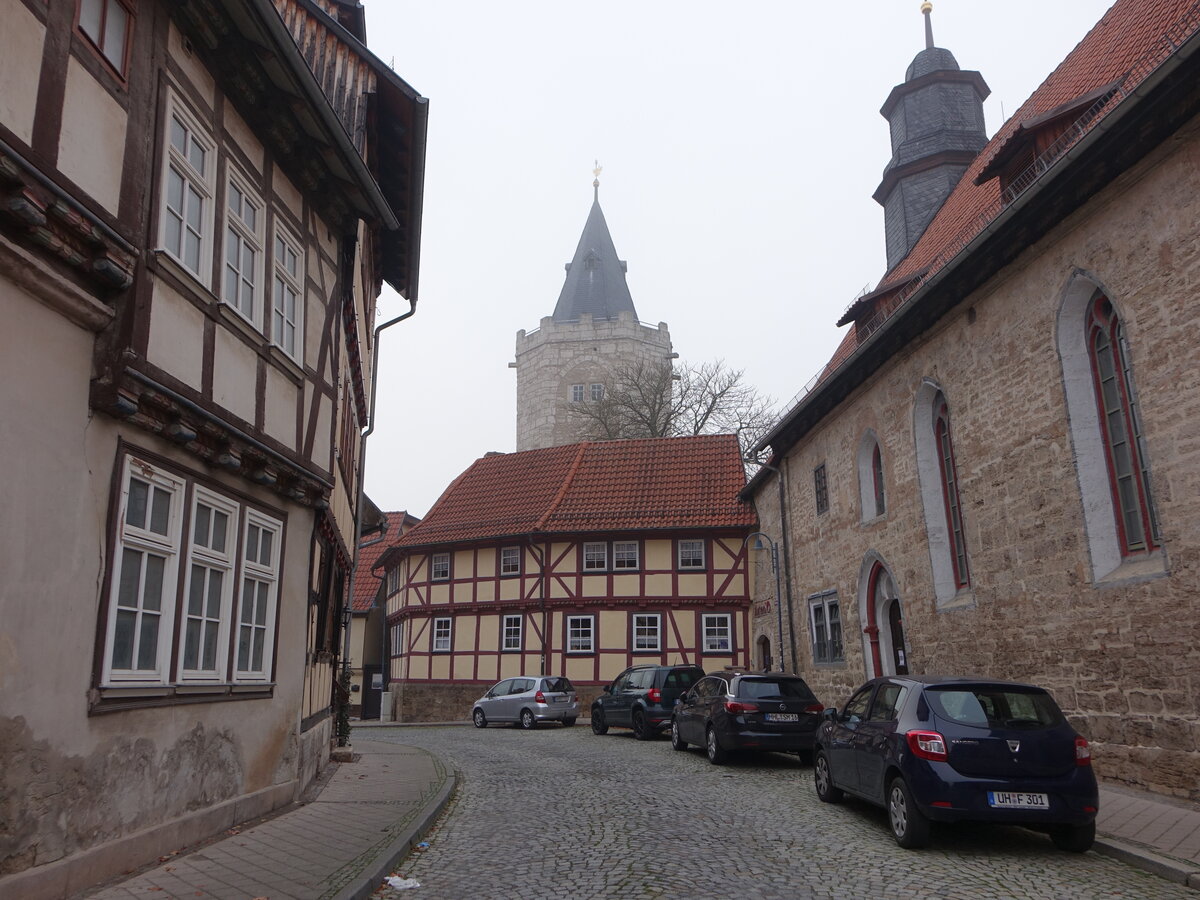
(601, 486)
(1124, 46)
(366, 585)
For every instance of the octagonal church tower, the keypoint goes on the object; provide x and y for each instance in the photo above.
(594, 331)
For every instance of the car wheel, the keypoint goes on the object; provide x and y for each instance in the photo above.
(910, 826)
(716, 753)
(479, 719)
(823, 779)
(1074, 838)
(568, 722)
(677, 743)
(641, 730)
(527, 720)
(599, 723)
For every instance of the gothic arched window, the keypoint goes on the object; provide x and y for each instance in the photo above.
(1124, 442)
(949, 477)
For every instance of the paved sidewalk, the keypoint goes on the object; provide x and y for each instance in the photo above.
(1153, 833)
(340, 845)
(365, 819)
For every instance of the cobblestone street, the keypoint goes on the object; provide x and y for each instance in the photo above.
(563, 813)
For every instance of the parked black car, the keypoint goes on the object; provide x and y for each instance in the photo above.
(729, 711)
(959, 749)
(642, 698)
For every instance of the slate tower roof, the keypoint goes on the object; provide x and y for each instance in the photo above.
(595, 277)
(936, 119)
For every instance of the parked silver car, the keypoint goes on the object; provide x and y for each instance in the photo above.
(527, 701)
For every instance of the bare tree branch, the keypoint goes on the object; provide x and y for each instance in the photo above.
(644, 400)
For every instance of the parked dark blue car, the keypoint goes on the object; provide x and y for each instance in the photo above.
(959, 749)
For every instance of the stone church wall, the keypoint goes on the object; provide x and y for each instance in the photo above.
(1122, 655)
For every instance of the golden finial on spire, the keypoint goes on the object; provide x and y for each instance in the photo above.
(926, 9)
(596, 171)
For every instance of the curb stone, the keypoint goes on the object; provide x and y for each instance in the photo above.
(369, 880)
(1177, 870)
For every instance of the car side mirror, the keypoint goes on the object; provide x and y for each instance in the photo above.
(829, 715)
(608, 689)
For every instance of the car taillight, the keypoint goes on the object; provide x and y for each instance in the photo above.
(1083, 753)
(735, 706)
(927, 745)
(654, 695)
(814, 708)
(539, 697)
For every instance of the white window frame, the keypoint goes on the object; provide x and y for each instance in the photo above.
(642, 622)
(589, 562)
(836, 653)
(392, 581)
(246, 236)
(264, 573)
(442, 639)
(283, 280)
(164, 545)
(712, 626)
(201, 181)
(575, 634)
(577, 394)
(397, 638)
(622, 559)
(511, 632)
(210, 560)
(679, 556)
(510, 560)
(596, 392)
(435, 563)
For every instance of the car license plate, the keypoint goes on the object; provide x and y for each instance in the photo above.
(558, 699)
(783, 717)
(1017, 800)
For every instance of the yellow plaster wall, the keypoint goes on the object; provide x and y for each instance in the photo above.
(613, 630)
(693, 585)
(235, 374)
(21, 42)
(176, 335)
(627, 586)
(660, 554)
(658, 585)
(91, 148)
(279, 413)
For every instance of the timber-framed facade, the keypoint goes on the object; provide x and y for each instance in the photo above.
(199, 211)
(576, 560)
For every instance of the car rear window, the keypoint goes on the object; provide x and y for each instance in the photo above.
(995, 706)
(682, 678)
(558, 684)
(774, 688)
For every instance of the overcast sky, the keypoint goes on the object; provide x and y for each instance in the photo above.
(740, 145)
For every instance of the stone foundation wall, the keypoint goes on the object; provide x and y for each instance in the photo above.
(441, 702)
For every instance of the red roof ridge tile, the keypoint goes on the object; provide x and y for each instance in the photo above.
(564, 487)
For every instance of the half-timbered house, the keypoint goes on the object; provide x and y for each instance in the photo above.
(368, 630)
(199, 203)
(575, 560)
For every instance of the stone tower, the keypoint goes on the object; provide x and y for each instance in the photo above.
(936, 119)
(593, 331)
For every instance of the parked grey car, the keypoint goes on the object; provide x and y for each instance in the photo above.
(527, 701)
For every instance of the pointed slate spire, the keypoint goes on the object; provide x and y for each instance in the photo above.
(595, 277)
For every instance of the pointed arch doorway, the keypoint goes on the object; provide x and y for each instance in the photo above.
(764, 653)
(883, 612)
